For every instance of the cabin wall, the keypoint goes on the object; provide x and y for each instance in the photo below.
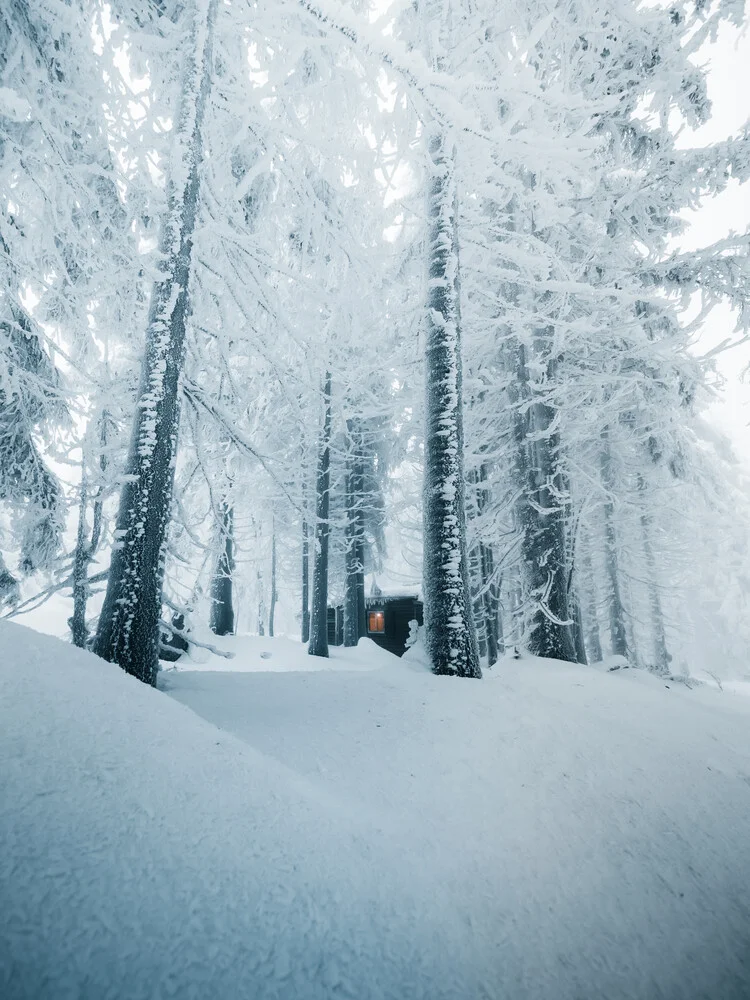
(398, 613)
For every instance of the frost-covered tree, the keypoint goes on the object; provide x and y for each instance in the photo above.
(128, 625)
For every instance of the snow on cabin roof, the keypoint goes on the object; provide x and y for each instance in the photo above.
(392, 595)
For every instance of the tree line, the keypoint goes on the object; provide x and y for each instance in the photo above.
(276, 285)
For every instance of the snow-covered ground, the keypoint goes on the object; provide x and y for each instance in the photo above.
(368, 830)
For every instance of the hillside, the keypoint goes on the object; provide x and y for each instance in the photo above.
(368, 831)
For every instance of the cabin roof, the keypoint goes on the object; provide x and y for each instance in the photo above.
(386, 598)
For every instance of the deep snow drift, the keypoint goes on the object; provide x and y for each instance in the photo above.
(552, 832)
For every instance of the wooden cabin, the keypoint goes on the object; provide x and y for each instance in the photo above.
(387, 617)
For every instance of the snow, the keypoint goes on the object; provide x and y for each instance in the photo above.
(368, 830)
(265, 654)
(14, 107)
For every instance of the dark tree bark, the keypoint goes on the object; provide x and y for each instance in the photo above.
(305, 580)
(222, 585)
(25, 479)
(482, 561)
(354, 590)
(492, 623)
(541, 510)
(78, 627)
(128, 631)
(578, 639)
(319, 620)
(450, 635)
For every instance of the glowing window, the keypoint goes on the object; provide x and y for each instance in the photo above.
(376, 621)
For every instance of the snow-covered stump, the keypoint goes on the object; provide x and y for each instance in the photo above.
(128, 631)
(450, 636)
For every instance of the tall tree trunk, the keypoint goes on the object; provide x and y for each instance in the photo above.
(541, 515)
(516, 602)
(78, 627)
(274, 595)
(319, 621)
(617, 627)
(305, 580)
(578, 635)
(662, 656)
(588, 594)
(492, 623)
(354, 590)
(490, 586)
(261, 605)
(450, 636)
(128, 631)
(482, 571)
(222, 582)
(497, 606)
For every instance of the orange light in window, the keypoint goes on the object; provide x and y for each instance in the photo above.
(376, 621)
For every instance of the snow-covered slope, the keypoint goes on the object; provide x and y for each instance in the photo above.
(550, 832)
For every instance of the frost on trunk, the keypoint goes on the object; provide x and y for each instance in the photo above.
(662, 655)
(10, 592)
(77, 622)
(354, 585)
(305, 580)
(319, 619)
(30, 400)
(261, 604)
(486, 585)
(274, 594)
(222, 598)
(86, 545)
(491, 601)
(578, 639)
(617, 626)
(589, 601)
(128, 631)
(450, 637)
(541, 507)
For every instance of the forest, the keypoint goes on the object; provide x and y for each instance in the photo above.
(352, 351)
(293, 293)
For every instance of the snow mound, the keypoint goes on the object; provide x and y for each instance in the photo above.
(553, 833)
(279, 654)
(13, 106)
(146, 854)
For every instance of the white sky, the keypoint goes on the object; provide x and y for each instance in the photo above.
(729, 89)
